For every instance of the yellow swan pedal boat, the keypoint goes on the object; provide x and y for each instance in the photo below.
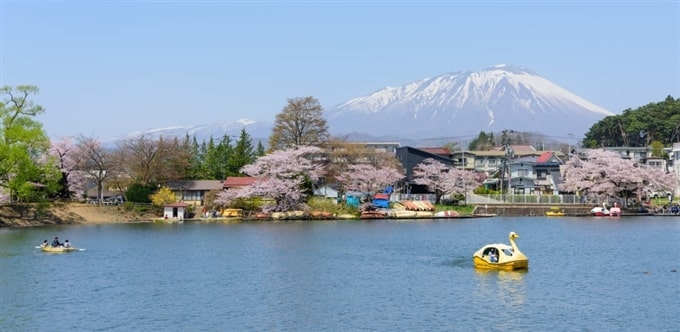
(555, 212)
(58, 249)
(508, 257)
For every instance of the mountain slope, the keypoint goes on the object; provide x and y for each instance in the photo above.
(465, 103)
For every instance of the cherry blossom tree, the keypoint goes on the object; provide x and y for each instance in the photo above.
(463, 180)
(284, 176)
(72, 180)
(443, 179)
(604, 174)
(658, 179)
(94, 162)
(368, 178)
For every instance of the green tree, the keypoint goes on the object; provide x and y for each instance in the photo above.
(638, 127)
(242, 155)
(140, 193)
(300, 123)
(216, 158)
(657, 149)
(23, 142)
(483, 142)
(260, 151)
(197, 170)
(224, 155)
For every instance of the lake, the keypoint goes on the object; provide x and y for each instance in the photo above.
(585, 274)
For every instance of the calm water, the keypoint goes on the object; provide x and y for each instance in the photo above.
(586, 274)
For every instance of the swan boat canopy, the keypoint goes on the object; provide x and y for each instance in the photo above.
(501, 256)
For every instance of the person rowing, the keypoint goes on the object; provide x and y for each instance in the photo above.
(55, 242)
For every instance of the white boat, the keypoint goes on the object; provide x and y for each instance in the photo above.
(600, 211)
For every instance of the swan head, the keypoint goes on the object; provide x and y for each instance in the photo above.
(517, 253)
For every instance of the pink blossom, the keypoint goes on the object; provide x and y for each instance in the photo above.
(443, 179)
(606, 174)
(368, 178)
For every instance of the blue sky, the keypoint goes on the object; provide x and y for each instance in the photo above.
(107, 68)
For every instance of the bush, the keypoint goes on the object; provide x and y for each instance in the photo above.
(248, 204)
(327, 205)
(139, 193)
(484, 191)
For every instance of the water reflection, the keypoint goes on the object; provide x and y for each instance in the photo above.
(504, 292)
(505, 286)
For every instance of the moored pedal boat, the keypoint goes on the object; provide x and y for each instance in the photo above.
(555, 212)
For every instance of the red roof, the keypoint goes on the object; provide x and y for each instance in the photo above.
(544, 157)
(177, 205)
(437, 151)
(239, 181)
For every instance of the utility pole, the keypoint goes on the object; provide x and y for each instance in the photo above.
(505, 140)
(464, 179)
(569, 152)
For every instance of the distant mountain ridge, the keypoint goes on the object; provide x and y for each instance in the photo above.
(258, 131)
(436, 109)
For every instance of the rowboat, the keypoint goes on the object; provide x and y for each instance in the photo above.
(58, 249)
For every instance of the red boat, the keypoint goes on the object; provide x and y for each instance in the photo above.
(372, 214)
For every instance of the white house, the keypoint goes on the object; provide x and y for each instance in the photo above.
(175, 211)
(326, 192)
(675, 160)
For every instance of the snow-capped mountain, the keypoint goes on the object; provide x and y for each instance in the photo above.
(258, 131)
(465, 103)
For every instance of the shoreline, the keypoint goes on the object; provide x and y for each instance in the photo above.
(30, 215)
